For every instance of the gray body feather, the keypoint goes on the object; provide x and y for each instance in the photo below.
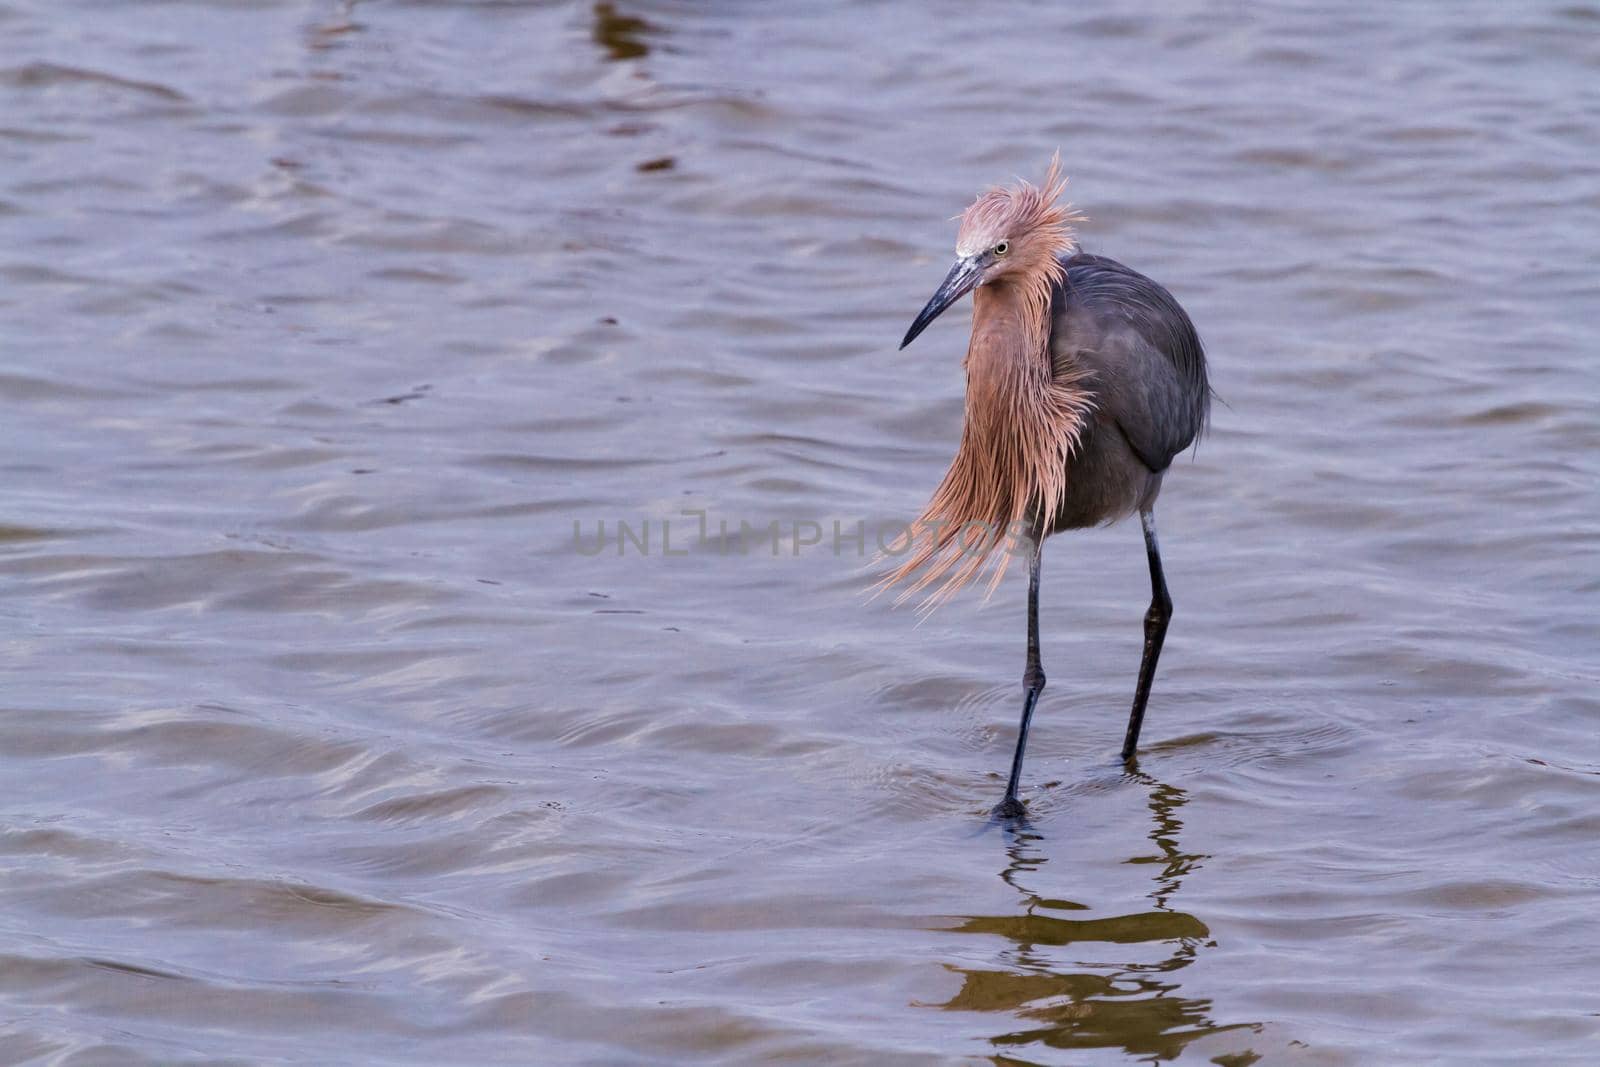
(1131, 347)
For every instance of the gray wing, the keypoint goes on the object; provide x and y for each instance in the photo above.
(1138, 352)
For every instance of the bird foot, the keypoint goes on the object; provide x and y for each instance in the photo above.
(1010, 808)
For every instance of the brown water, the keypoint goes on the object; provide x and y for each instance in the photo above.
(322, 740)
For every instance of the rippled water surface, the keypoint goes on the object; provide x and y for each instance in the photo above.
(323, 740)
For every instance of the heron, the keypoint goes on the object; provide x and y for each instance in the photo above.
(1084, 379)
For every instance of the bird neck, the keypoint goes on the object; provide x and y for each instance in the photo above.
(1010, 336)
(1023, 424)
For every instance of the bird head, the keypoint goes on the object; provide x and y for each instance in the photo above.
(1015, 232)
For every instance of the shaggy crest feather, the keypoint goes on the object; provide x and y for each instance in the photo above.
(1023, 421)
(1006, 211)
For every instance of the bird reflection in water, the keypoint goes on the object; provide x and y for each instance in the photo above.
(1134, 1006)
(621, 35)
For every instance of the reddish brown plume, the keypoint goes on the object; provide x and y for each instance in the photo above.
(1023, 423)
(1012, 211)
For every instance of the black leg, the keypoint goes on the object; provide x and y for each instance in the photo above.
(1155, 631)
(1032, 683)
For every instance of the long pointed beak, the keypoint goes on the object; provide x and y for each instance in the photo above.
(957, 284)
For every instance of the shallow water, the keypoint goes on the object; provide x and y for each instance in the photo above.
(324, 739)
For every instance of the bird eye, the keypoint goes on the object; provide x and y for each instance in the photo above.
(1002, 248)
